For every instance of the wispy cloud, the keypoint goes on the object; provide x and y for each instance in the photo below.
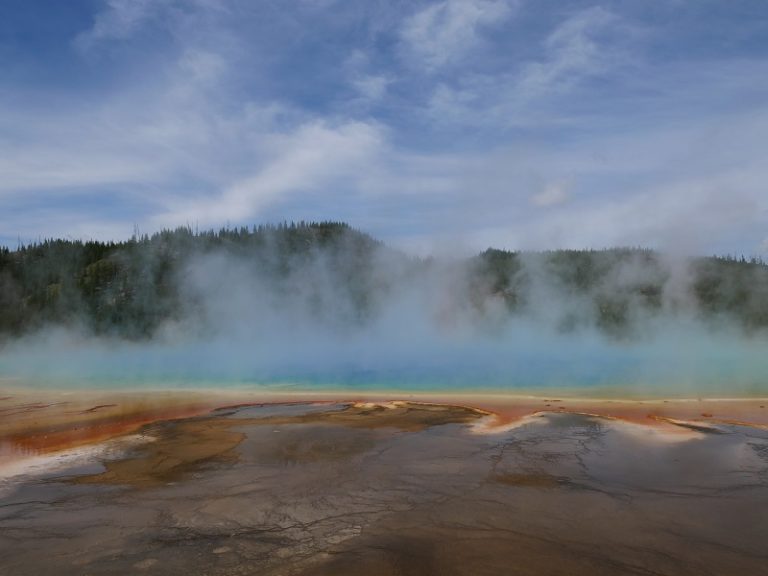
(571, 52)
(315, 156)
(443, 32)
(583, 46)
(119, 20)
(371, 88)
(369, 85)
(495, 122)
(552, 194)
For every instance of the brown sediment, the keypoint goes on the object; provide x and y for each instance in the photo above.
(531, 480)
(98, 407)
(403, 415)
(178, 448)
(181, 447)
(314, 492)
(408, 416)
(264, 404)
(28, 408)
(29, 428)
(63, 436)
(743, 412)
(46, 422)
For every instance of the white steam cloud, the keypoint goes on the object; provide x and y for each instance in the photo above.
(402, 323)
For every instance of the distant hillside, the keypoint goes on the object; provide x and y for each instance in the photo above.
(130, 289)
(611, 288)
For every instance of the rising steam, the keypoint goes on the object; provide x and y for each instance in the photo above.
(358, 314)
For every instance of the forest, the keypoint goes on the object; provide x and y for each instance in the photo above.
(129, 289)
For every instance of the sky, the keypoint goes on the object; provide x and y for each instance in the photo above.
(436, 126)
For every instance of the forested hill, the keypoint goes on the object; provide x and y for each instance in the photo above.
(132, 287)
(129, 289)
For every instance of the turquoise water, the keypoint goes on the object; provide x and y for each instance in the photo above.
(672, 365)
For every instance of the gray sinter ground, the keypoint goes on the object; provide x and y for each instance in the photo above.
(416, 496)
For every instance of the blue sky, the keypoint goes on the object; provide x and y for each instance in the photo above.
(435, 125)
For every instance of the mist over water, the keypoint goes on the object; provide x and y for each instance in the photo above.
(380, 320)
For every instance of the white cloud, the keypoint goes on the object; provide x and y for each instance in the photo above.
(206, 134)
(201, 66)
(371, 87)
(571, 53)
(552, 194)
(682, 219)
(308, 160)
(528, 93)
(670, 187)
(119, 20)
(177, 125)
(443, 32)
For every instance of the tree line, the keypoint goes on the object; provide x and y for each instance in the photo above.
(130, 288)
